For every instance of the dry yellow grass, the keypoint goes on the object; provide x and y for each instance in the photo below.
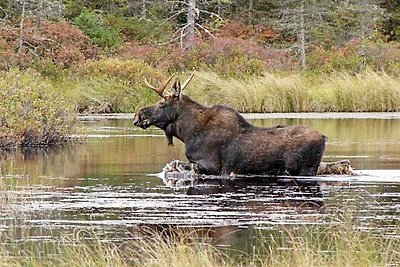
(336, 92)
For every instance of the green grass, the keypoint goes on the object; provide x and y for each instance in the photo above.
(340, 244)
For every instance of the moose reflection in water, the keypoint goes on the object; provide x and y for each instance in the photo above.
(220, 141)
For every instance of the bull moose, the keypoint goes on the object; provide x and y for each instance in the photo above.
(220, 141)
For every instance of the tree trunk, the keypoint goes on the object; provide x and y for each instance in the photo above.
(191, 18)
(363, 26)
(251, 11)
(144, 10)
(40, 13)
(302, 36)
(21, 29)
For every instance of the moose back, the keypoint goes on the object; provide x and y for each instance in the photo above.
(220, 141)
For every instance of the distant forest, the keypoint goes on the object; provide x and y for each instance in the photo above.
(193, 34)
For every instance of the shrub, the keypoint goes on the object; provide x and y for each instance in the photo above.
(227, 56)
(224, 54)
(62, 43)
(57, 42)
(132, 70)
(345, 58)
(148, 53)
(94, 26)
(32, 113)
(383, 56)
(112, 85)
(258, 33)
(355, 58)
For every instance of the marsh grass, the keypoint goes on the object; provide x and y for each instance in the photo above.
(341, 243)
(86, 248)
(274, 92)
(335, 245)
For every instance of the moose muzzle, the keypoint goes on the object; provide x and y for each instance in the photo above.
(141, 121)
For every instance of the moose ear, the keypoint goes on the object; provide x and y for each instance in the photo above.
(177, 89)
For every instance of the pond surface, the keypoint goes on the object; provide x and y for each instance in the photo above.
(104, 185)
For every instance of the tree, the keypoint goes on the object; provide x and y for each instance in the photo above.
(328, 23)
(191, 23)
(391, 19)
(297, 18)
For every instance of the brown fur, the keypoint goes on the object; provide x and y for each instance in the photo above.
(220, 140)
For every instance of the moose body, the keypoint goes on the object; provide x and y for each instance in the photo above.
(220, 141)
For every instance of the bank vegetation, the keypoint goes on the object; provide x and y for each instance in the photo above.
(338, 244)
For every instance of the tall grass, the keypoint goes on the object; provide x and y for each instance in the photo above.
(272, 92)
(85, 248)
(340, 244)
(108, 86)
(115, 85)
(335, 245)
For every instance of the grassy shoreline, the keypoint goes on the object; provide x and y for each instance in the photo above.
(117, 86)
(336, 92)
(38, 109)
(339, 244)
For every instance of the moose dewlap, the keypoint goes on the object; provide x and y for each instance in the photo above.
(220, 141)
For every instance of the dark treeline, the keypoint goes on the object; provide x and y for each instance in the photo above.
(282, 35)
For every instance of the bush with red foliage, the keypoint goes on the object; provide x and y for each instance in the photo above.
(355, 56)
(272, 59)
(258, 33)
(227, 56)
(58, 42)
(133, 50)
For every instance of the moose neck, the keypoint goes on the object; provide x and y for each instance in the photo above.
(189, 121)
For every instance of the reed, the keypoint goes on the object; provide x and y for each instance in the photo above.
(341, 243)
(274, 92)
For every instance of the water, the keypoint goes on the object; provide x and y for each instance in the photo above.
(104, 185)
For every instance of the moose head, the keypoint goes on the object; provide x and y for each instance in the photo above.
(166, 110)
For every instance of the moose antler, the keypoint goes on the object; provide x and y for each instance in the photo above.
(187, 81)
(161, 87)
